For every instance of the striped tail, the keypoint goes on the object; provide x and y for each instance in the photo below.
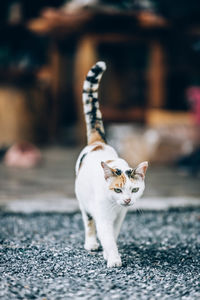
(93, 117)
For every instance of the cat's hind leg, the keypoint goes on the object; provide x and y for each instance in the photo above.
(90, 232)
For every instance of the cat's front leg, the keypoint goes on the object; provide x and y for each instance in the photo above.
(118, 222)
(106, 236)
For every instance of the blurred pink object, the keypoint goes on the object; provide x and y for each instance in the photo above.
(193, 94)
(22, 155)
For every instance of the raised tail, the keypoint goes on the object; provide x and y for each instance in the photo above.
(93, 117)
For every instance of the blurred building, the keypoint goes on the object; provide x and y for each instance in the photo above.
(152, 49)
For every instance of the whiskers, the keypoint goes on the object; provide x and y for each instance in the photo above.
(140, 211)
(113, 206)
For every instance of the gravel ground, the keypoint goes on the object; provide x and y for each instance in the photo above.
(42, 257)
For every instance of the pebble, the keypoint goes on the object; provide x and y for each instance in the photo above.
(42, 257)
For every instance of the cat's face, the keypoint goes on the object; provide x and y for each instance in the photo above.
(125, 187)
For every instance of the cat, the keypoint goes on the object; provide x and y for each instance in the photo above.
(105, 185)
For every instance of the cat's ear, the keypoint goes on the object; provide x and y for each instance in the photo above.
(108, 172)
(141, 169)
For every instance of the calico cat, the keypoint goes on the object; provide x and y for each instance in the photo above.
(105, 184)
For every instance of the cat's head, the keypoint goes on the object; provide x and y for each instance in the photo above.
(127, 185)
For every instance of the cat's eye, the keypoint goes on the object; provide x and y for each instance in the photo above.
(118, 191)
(135, 190)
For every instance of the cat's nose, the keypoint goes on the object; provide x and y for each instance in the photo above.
(127, 201)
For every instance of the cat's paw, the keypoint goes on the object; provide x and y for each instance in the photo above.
(114, 262)
(91, 245)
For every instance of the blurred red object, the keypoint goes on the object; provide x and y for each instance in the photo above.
(193, 94)
(23, 155)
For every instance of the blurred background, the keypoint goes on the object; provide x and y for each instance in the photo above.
(149, 95)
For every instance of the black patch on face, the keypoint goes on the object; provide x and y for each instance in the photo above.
(81, 160)
(118, 172)
(129, 173)
(90, 218)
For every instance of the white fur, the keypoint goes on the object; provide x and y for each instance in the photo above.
(104, 205)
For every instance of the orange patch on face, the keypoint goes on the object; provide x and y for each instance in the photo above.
(118, 182)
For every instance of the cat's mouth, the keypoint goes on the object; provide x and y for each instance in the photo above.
(126, 204)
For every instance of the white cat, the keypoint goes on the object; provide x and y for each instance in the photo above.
(105, 184)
